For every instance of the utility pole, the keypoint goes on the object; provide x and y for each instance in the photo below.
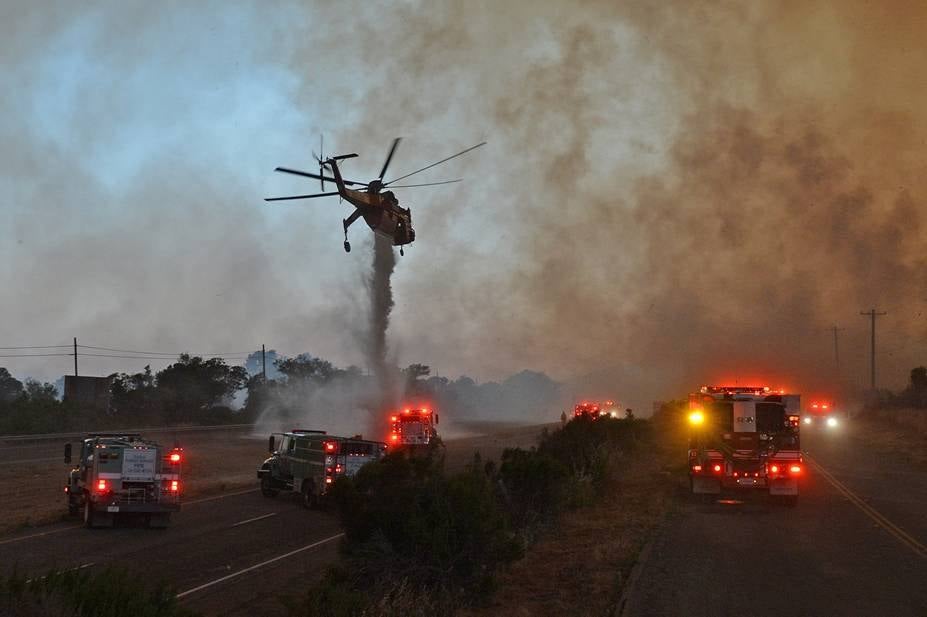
(872, 314)
(263, 364)
(835, 329)
(75, 356)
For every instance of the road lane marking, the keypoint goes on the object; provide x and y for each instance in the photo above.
(222, 496)
(900, 534)
(39, 535)
(186, 593)
(79, 525)
(256, 518)
(74, 569)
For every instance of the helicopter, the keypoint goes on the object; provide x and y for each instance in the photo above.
(380, 208)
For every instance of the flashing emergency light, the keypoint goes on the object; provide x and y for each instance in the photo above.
(101, 485)
(175, 486)
(175, 457)
(696, 418)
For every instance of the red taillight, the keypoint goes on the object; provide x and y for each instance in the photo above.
(331, 446)
(716, 468)
(175, 457)
(175, 486)
(696, 468)
(328, 480)
(795, 469)
(101, 485)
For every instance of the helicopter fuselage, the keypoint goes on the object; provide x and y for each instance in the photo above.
(381, 211)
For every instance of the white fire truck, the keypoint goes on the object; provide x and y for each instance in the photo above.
(124, 475)
(745, 438)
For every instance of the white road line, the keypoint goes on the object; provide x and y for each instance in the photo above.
(222, 496)
(183, 594)
(39, 535)
(256, 518)
(80, 567)
(187, 503)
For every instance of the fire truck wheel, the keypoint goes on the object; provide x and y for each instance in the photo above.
(266, 488)
(93, 519)
(308, 497)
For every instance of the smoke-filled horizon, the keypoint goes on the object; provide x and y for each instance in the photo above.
(672, 194)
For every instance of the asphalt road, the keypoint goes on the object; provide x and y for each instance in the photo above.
(856, 544)
(230, 554)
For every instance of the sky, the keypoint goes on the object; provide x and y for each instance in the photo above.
(672, 193)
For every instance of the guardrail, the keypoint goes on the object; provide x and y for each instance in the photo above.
(149, 430)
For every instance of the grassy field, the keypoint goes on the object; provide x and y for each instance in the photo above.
(33, 493)
(900, 433)
(581, 566)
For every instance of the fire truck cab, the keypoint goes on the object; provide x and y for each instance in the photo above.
(745, 438)
(413, 427)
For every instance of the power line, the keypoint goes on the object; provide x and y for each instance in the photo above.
(166, 353)
(34, 355)
(39, 347)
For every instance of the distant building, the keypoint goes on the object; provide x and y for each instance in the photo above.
(88, 391)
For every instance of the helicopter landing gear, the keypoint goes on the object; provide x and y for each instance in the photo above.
(347, 246)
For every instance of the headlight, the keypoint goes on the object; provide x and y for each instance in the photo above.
(807, 420)
(832, 422)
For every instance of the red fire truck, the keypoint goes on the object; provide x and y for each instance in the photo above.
(745, 438)
(413, 427)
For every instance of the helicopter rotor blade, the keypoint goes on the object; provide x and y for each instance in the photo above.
(389, 157)
(300, 196)
(408, 186)
(433, 164)
(308, 174)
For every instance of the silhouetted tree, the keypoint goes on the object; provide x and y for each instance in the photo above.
(10, 387)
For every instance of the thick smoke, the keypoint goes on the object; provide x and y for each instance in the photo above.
(381, 305)
(673, 192)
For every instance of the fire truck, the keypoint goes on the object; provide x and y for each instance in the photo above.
(125, 475)
(607, 409)
(823, 412)
(413, 427)
(745, 438)
(308, 462)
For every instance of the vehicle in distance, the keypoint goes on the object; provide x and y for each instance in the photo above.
(823, 412)
(124, 475)
(308, 462)
(413, 427)
(744, 438)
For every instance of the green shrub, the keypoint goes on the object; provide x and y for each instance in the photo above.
(79, 593)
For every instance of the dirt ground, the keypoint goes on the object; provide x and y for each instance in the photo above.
(580, 567)
(32, 493)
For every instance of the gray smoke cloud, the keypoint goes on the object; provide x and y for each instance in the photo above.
(672, 193)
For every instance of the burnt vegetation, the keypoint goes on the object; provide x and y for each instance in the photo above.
(421, 541)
